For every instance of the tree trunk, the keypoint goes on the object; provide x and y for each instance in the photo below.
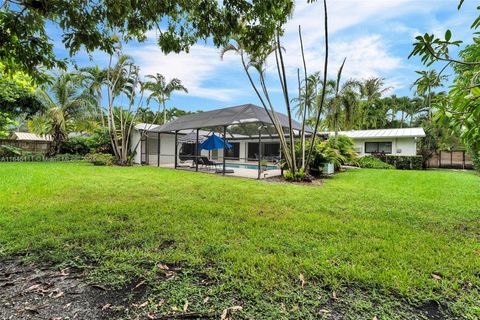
(99, 105)
(164, 113)
(335, 124)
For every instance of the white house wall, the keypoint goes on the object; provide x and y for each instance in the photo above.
(400, 146)
(135, 146)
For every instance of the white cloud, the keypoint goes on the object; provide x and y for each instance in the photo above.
(194, 69)
(367, 54)
(366, 57)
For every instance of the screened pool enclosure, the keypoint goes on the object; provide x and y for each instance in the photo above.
(248, 142)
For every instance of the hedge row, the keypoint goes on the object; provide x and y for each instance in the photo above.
(405, 162)
(372, 162)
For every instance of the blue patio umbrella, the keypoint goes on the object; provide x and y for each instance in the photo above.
(212, 143)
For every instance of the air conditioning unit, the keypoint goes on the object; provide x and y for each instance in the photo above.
(399, 150)
(328, 169)
(358, 150)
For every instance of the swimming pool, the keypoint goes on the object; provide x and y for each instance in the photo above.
(248, 166)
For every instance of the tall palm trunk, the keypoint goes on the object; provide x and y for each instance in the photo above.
(335, 124)
(164, 112)
(429, 101)
(99, 105)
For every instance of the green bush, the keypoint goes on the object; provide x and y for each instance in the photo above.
(339, 153)
(405, 162)
(98, 142)
(373, 163)
(75, 145)
(10, 151)
(298, 176)
(345, 146)
(100, 159)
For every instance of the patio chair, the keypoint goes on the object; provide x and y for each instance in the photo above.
(199, 160)
(209, 163)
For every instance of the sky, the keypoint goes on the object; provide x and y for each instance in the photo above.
(375, 36)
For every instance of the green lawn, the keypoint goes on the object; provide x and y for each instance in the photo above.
(388, 243)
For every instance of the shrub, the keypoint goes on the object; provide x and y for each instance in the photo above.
(100, 159)
(373, 163)
(405, 162)
(345, 146)
(328, 151)
(475, 155)
(10, 151)
(98, 142)
(298, 176)
(75, 145)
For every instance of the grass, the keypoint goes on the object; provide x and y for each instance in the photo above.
(389, 243)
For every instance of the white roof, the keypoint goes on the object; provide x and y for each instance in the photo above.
(383, 133)
(26, 136)
(146, 126)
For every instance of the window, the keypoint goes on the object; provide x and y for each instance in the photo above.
(234, 152)
(270, 150)
(372, 147)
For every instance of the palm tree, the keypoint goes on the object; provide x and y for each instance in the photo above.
(67, 105)
(341, 101)
(145, 115)
(371, 91)
(373, 88)
(96, 78)
(414, 108)
(425, 84)
(161, 90)
(314, 87)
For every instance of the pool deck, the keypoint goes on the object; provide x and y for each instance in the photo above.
(237, 172)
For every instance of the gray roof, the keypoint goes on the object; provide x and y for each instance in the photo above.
(383, 133)
(247, 113)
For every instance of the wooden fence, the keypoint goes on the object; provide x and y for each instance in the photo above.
(451, 159)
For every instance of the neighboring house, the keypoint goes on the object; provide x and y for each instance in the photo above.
(28, 141)
(241, 123)
(400, 142)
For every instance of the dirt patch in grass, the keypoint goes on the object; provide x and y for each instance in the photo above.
(29, 291)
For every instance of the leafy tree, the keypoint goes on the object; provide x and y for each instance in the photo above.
(461, 106)
(161, 90)
(5, 124)
(95, 25)
(17, 97)
(68, 107)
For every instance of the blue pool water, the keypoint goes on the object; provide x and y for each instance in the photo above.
(247, 166)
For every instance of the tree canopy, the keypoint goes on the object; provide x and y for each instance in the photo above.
(25, 45)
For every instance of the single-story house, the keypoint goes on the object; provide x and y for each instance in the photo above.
(245, 128)
(248, 129)
(391, 141)
(28, 141)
